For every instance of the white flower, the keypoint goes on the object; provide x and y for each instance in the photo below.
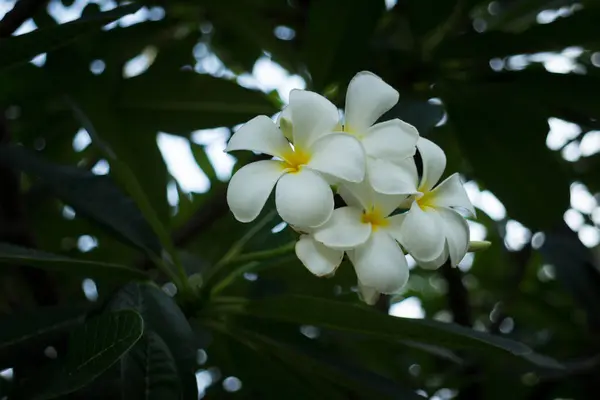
(303, 197)
(366, 232)
(388, 145)
(431, 230)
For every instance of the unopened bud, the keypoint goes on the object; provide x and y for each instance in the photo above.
(478, 245)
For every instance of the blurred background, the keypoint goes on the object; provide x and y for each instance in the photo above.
(508, 88)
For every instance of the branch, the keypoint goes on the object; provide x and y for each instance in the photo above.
(21, 12)
(458, 296)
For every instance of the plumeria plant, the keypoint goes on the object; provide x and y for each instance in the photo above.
(390, 210)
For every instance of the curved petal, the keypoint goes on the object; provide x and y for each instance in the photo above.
(452, 193)
(317, 258)
(303, 199)
(435, 263)
(368, 294)
(284, 122)
(344, 230)
(392, 140)
(389, 178)
(339, 155)
(259, 134)
(434, 163)
(380, 263)
(359, 195)
(312, 116)
(250, 187)
(394, 228)
(367, 98)
(422, 233)
(456, 231)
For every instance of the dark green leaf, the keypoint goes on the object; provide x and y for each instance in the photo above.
(29, 331)
(22, 48)
(149, 368)
(337, 38)
(575, 269)
(94, 196)
(164, 317)
(93, 348)
(203, 161)
(504, 137)
(580, 29)
(361, 319)
(92, 269)
(419, 113)
(188, 101)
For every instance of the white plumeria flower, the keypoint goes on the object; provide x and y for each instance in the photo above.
(388, 145)
(366, 232)
(431, 230)
(303, 197)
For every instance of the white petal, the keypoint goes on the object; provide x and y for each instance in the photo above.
(339, 155)
(344, 230)
(392, 140)
(422, 233)
(435, 263)
(452, 193)
(368, 294)
(259, 134)
(389, 178)
(317, 258)
(456, 231)
(284, 122)
(250, 187)
(312, 116)
(359, 195)
(434, 163)
(368, 98)
(394, 229)
(380, 263)
(304, 199)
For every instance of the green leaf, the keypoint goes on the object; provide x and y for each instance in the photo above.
(93, 269)
(30, 331)
(337, 39)
(575, 268)
(343, 316)
(187, 101)
(419, 113)
(92, 349)
(149, 368)
(18, 49)
(503, 135)
(95, 197)
(579, 29)
(164, 317)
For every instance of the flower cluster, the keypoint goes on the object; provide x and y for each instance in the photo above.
(389, 209)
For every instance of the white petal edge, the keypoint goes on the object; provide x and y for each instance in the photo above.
(392, 140)
(318, 259)
(434, 163)
(359, 195)
(284, 122)
(368, 97)
(452, 193)
(250, 187)
(312, 116)
(304, 199)
(259, 134)
(380, 263)
(456, 231)
(388, 178)
(344, 230)
(422, 233)
(435, 263)
(339, 155)
(368, 294)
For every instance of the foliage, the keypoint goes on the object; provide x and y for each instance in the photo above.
(185, 289)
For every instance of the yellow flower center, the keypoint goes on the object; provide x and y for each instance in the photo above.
(350, 131)
(375, 218)
(294, 159)
(426, 201)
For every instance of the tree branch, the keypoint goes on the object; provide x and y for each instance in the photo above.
(21, 12)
